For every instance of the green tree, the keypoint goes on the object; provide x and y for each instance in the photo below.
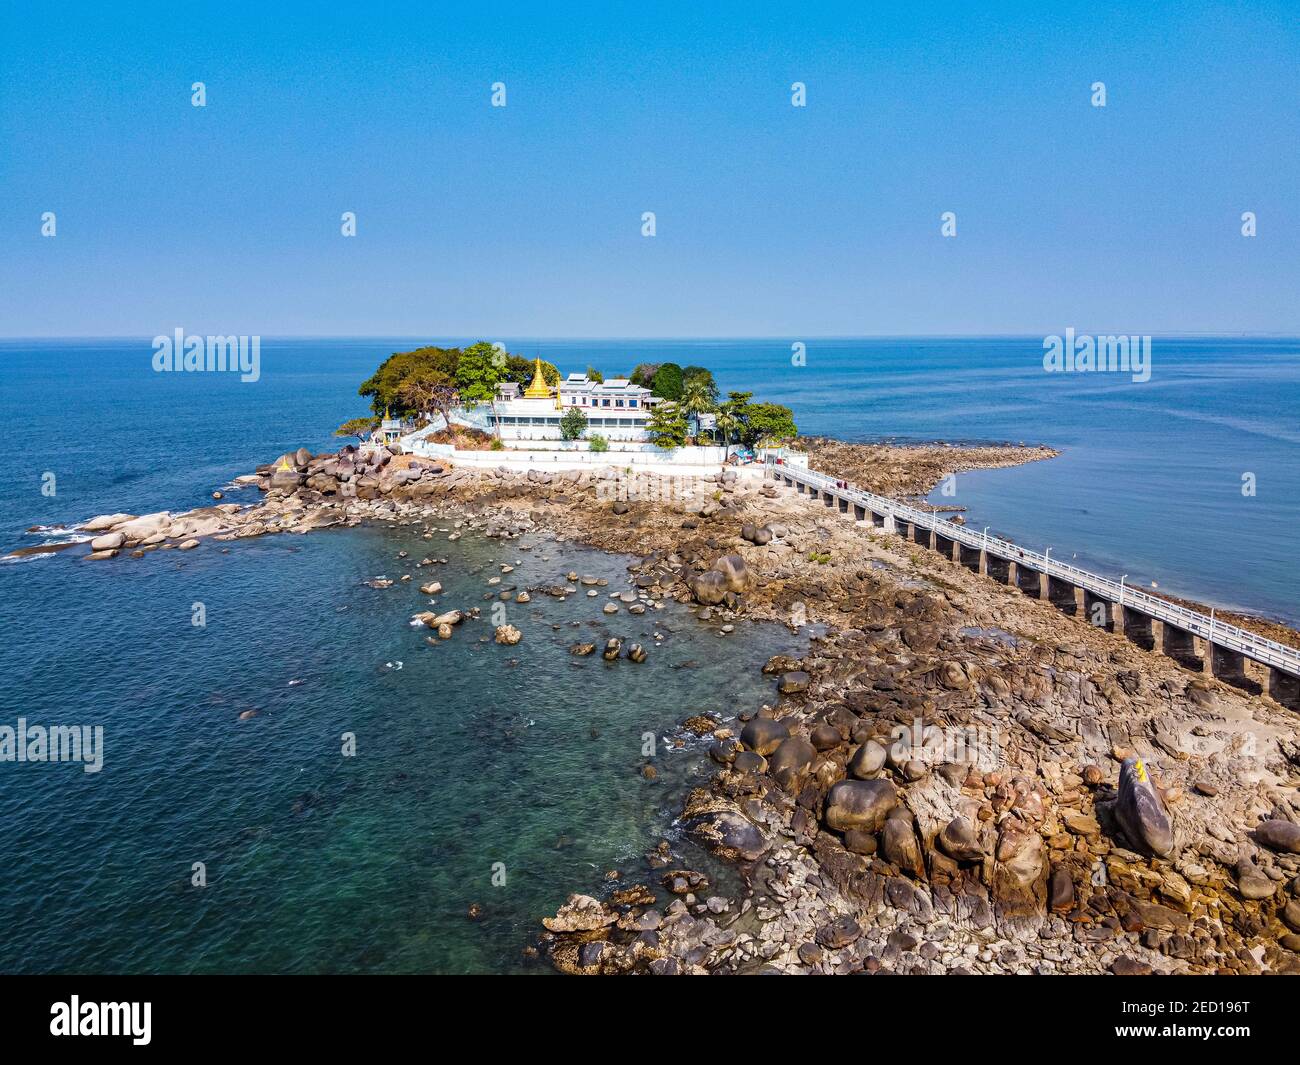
(383, 385)
(479, 370)
(730, 420)
(358, 427)
(754, 423)
(573, 424)
(596, 442)
(595, 375)
(644, 374)
(520, 371)
(767, 423)
(698, 373)
(667, 425)
(667, 382)
(429, 390)
(696, 399)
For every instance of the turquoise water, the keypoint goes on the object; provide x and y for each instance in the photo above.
(473, 754)
(468, 754)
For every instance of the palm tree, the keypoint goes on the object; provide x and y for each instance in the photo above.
(696, 399)
(728, 422)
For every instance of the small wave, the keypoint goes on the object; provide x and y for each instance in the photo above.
(10, 560)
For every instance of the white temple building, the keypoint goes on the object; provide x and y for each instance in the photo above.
(615, 409)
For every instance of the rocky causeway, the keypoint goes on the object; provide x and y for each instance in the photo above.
(953, 778)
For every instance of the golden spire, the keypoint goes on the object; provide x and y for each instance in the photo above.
(538, 389)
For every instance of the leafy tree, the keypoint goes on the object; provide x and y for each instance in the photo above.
(667, 425)
(573, 424)
(728, 425)
(383, 385)
(767, 423)
(479, 370)
(699, 373)
(595, 375)
(644, 374)
(358, 427)
(520, 371)
(667, 382)
(596, 442)
(754, 423)
(430, 391)
(696, 398)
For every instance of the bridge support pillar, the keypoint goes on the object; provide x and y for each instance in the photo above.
(1061, 594)
(1180, 645)
(1284, 688)
(1229, 666)
(970, 557)
(921, 536)
(997, 567)
(1098, 611)
(1029, 581)
(1137, 627)
(944, 546)
(889, 524)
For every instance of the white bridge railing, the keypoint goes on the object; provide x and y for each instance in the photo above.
(1248, 643)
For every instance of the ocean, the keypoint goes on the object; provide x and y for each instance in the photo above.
(486, 776)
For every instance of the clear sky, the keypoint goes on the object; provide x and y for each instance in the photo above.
(772, 220)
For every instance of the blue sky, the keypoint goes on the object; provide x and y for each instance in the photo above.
(772, 220)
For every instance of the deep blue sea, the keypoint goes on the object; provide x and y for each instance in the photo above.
(474, 758)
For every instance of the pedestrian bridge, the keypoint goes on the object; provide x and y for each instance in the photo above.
(1198, 641)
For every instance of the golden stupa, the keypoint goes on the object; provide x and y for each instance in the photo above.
(538, 389)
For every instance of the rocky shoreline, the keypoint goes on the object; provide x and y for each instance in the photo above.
(954, 778)
(911, 471)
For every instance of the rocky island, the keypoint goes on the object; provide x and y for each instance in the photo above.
(1102, 808)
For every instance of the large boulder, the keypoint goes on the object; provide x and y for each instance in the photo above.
(581, 913)
(859, 804)
(105, 521)
(790, 760)
(794, 682)
(959, 841)
(763, 735)
(868, 760)
(1140, 811)
(145, 526)
(1278, 835)
(107, 542)
(1019, 874)
(734, 571)
(729, 834)
(287, 480)
(898, 844)
(709, 587)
